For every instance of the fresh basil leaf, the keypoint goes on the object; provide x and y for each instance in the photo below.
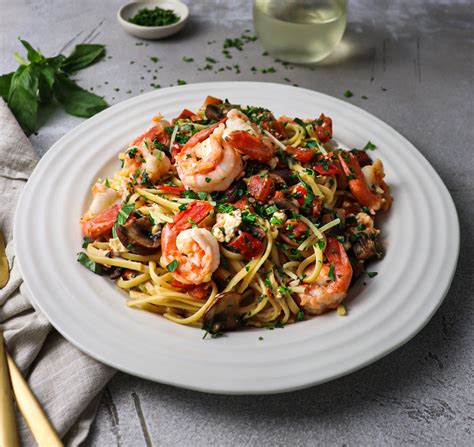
(32, 55)
(56, 61)
(5, 81)
(82, 56)
(22, 98)
(88, 263)
(45, 83)
(122, 216)
(75, 100)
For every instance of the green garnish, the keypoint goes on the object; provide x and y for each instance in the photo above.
(45, 78)
(188, 59)
(181, 82)
(369, 146)
(154, 17)
(208, 180)
(300, 316)
(275, 221)
(88, 263)
(122, 216)
(331, 272)
(172, 266)
(87, 240)
(107, 183)
(372, 274)
(154, 59)
(348, 94)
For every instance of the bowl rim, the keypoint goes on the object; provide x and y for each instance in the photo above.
(125, 22)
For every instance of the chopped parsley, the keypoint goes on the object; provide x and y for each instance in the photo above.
(122, 216)
(208, 180)
(369, 146)
(372, 274)
(154, 17)
(172, 266)
(188, 59)
(348, 94)
(181, 82)
(331, 272)
(300, 316)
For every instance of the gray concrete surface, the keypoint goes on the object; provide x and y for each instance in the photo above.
(414, 62)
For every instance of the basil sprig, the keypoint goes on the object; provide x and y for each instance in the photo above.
(40, 80)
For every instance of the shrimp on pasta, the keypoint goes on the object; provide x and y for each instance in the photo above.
(228, 217)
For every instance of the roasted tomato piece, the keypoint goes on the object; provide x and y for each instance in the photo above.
(169, 188)
(212, 100)
(324, 128)
(243, 204)
(275, 128)
(299, 192)
(186, 113)
(325, 166)
(302, 154)
(247, 245)
(261, 187)
(362, 157)
(296, 227)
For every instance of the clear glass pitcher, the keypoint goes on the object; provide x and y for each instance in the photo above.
(300, 31)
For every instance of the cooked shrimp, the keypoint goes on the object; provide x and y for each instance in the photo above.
(102, 212)
(207, 163)
(245, 137)
(332, 284)
(195, 250)
(155, 161)
(366, 184)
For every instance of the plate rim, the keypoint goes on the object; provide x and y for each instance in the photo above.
(448, 205)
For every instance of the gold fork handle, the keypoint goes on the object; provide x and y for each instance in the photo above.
(8, 430)
(31, 410)
(4, 270)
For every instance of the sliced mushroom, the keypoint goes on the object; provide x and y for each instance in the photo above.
(218, 111)
(138, 238)
(223, 314)
(214, 112)
(366, 248)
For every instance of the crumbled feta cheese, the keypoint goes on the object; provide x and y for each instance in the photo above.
(117, 246)
(226, 225)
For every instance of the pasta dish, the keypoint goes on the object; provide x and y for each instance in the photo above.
(228, 217)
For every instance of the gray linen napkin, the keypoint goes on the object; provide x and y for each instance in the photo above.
(66, 382)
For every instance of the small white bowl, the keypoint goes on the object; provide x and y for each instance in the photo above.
(152, 32)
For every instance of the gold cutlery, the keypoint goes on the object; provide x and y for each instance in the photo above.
(8, 431)
(4, 270)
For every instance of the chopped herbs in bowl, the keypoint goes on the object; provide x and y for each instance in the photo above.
(153, 19)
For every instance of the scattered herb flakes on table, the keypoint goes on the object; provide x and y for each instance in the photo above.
(36, 83)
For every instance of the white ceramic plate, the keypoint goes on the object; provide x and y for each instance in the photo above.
(421, 233)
